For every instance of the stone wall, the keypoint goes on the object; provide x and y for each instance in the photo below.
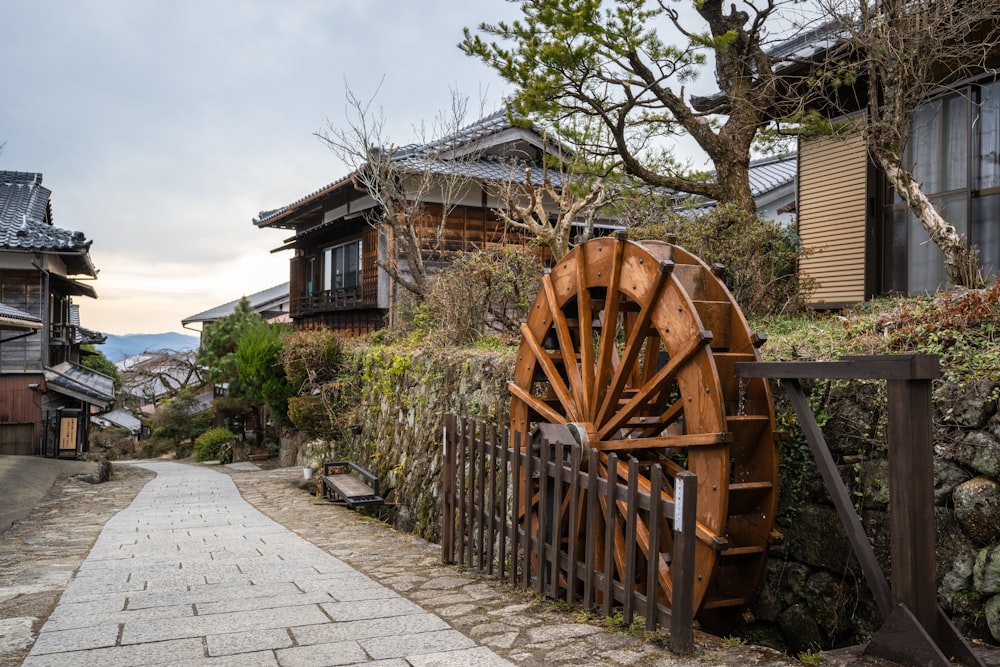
(401, 399)
(813, 593)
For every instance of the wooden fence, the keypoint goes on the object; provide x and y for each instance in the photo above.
(483, 528)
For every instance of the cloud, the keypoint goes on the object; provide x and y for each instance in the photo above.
(164, 126)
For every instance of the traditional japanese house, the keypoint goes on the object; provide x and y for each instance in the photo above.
(341, 243)
(46, 396)
(862, 239)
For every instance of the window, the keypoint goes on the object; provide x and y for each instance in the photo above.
(954, 153)
(342, 266)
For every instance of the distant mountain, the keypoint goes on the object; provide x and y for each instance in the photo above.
(120, 347)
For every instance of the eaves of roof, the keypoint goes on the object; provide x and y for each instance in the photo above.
(484, 170)
(260, 301)
(444, 153)
(12, 318)
(72, 287)
(80, 383)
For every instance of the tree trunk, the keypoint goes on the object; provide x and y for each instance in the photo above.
(734, 181)
(961, 258)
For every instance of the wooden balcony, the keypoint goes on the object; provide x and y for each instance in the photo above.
(332, 300)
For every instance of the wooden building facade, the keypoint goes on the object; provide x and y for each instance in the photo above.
(46, 397)
(341, 242)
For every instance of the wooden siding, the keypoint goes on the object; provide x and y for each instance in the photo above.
(20, 413)
(832, 218)
(23, 290)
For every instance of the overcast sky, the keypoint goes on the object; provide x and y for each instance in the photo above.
(163, 127)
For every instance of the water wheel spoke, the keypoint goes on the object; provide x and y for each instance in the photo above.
(654, 386)
(551, 374)
(564, 338)
(609, 326)
(635, 338)
(585, 317)
(537, 404)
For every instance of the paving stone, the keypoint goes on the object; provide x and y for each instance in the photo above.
(398, 646)
(258, 603)
(15, 634)
(200, 626)
(361, 609)
(473, 657)
(322, 655)
(248, 641)
(77, 639)
(123, 656)
(259, 659)
(84, 618)
(378, 627)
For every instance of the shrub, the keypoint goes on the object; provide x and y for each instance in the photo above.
(761, 258)
(480, 294)
(312, 357)
(215, 444)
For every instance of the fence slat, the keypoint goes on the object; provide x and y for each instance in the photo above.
(463, 495)
(504, 482)
(481, 495)
(526, 496)
(610, 522)
(682, 615)
(544, 523)
(574, 523)
(448, 492)
(631, 527)
(590, 550)
(515, 540)
(653, 559)
(546, 491)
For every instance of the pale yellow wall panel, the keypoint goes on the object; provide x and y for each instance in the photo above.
(832, 218)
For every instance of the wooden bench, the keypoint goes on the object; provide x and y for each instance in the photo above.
(350, 484)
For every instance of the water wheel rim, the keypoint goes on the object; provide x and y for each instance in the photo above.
(605, 389)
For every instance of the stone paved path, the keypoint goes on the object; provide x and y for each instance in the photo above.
(192, 574)
(174, 580)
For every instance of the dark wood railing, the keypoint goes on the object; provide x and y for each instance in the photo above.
(482, 529)
(338, 299)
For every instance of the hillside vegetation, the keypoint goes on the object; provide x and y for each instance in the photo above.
(961, 326)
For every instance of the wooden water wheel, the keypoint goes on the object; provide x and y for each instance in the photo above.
(635, 344)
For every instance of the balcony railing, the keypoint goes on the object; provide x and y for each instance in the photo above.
(338, 299)
(61, 334)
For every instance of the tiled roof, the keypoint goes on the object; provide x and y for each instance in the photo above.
(123, 418)
(766, 175)
(14, 318)
(432, 157)
(771, 173)
(81, 383)
(25, 217)
(262, 302)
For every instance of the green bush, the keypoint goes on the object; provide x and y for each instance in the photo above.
(760, 257)
(215, 444)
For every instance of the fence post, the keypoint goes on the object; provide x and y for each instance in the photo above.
(682, 602)
(448, 492)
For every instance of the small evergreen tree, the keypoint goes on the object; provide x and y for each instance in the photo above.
(220, 339)
(261, 374)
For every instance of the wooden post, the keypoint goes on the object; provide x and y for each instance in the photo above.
(915, 631)
(682, 600)
(448, 491)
